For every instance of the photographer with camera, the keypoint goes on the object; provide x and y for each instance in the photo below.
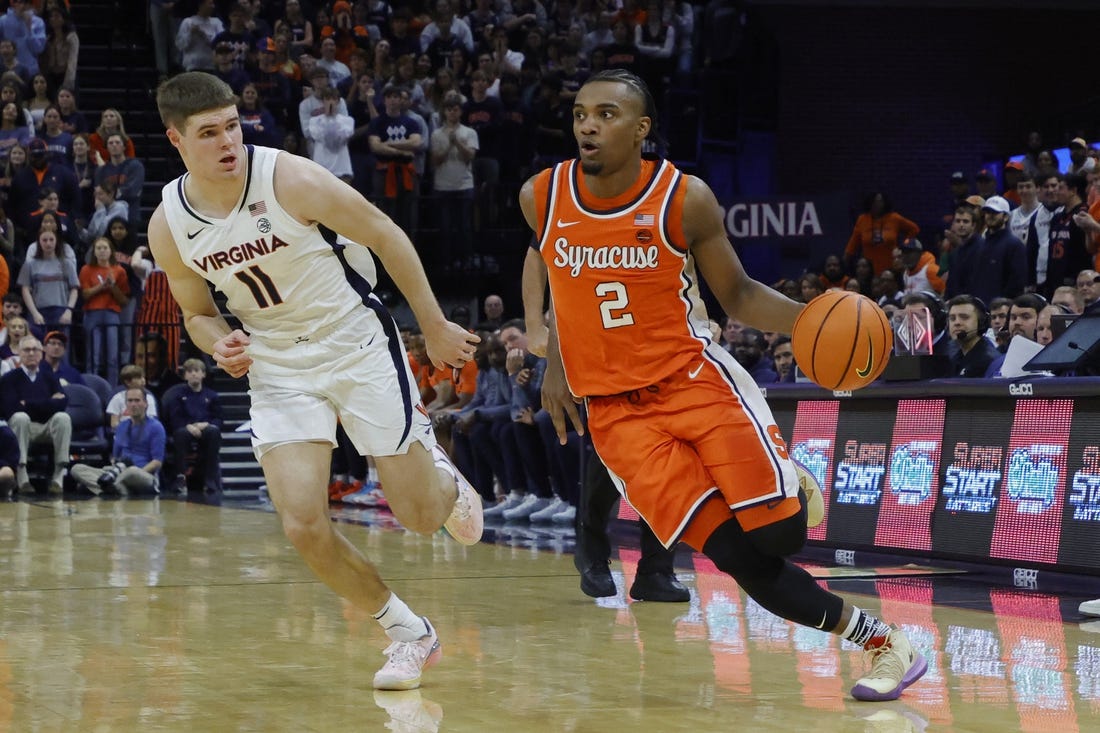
(137, 455)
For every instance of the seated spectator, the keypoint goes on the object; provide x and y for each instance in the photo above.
(783, 359)
(72, 119)
(749, 351)
(239, 39)
(1069, 298)
(106, 289)
(53, 349)
(127, 173)
(49, 216)
(258, 126)
(493, 309)
(39, 100)
(193, 416)
(809, 286)
(927, 304)
(17, 328)
(9, 461)
(12, 307)
(107, 208)
(160, 371)
(478, 426)
(271, 85)
(110, 123)
(131, 376)
(299, 27)
(33, 403)
(9, 63)
(59, 144)
(968, 324)
(1088, 287)
(832, 274)
(921, 270)
(50, 285)
(13, 133)
(226, 67)
(1023, 320)
(40, 173)
(137, 455)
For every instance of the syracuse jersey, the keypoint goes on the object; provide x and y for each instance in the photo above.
(623, 282)
(280, 277)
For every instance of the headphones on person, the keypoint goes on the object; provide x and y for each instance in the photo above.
(984, 320)
(935, 307)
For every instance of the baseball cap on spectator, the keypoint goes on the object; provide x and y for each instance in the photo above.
(59, 335)
(37, 145)
(1078, 142)
(958, 177)
(390, 89)
(1014, 165)
(976, 201)
(984, 175)
(266, 45)
(341, 6)
(998, 204)
(911, 244)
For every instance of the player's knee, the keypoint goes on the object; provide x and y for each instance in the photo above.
(308, 533)
(733, 552)
(782, 538)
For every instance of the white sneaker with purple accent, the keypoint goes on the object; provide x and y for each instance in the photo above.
(895, 665)
(466, 522)
(407, 659)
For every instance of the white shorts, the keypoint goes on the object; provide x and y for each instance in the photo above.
(356, 372)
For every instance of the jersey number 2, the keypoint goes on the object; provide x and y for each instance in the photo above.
(259, 283)
(611, 308)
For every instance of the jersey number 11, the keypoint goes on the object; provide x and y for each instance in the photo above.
(260, 283)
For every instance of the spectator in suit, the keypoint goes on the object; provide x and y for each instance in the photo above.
(34, 404)
(137, 455)
(9, 461)
(193, 415)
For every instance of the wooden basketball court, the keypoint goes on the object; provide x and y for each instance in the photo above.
(137, 615)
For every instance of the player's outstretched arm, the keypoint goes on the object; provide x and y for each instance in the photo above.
(205, 324)
(749, 301)
(311, 194)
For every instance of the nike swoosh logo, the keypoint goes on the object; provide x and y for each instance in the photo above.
(861, 373)
(695, 372)
(191, 235)
(564, 224)
(824, 618)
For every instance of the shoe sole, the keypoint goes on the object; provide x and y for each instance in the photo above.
(868, 694)
(399, 685)
(1090, 608)
(815, 500)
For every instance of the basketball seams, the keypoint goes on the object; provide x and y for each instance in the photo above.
(822, 355)
(817, 336)
(855, 340)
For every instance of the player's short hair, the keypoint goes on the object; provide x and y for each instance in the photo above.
(637, 85)
(189, 94)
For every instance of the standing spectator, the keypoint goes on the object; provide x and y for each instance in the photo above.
(330, 132)
(127, 173)
(193, 416)
(163, 25)
(59, 144)
(137, 455)
(50, 286)
(337, 70)
(62, 223)
(440, 48)
(26, 30)
(107, 207)
(877, 233)
(1068, 249)
(986, 183)
(655, 39)
(394, 139)
(159, 310)
(33, 403)
(62, 48)
(361, 107)
(445, 18)
(300, 28)
(993, 265)
(84, 168)
(226, 68)
(1025, 225)
(493, 308)
(127, 255)
(484, 114)
(9, 63)
(106, 289)
(270, 83)
(72, 119)
(311, 105)
(53, 349)
(240, 40)
(454, 146)
(195, 38)
(110, 123)
(1078, 154)
(258, 125)
(921, 271)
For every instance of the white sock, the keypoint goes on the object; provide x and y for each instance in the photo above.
(399, 622)
(863, 627)
(339, 477)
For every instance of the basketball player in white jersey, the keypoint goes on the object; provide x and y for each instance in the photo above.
(317, 344)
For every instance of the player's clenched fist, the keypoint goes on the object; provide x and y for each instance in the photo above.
(230, 354)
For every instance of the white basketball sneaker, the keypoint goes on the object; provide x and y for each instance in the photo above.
(466, 522)
(815, 500)
(895, 665)
(407, 659)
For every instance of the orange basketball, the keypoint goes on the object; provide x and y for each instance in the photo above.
(842, 340)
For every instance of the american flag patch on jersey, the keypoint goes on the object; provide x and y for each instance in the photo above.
(643, 220)
(260, 207)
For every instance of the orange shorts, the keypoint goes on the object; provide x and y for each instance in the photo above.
(695, 450)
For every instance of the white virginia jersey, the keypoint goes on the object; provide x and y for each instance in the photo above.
(281, 278)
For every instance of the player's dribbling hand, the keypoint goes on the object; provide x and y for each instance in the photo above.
(450, 345)
(230, 355)
(559, 401)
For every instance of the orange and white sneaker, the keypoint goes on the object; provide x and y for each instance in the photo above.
(407, 660)
(895, 665)
(466, 522)
(815, 500)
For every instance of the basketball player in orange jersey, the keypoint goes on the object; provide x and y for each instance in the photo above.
(683, 429)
